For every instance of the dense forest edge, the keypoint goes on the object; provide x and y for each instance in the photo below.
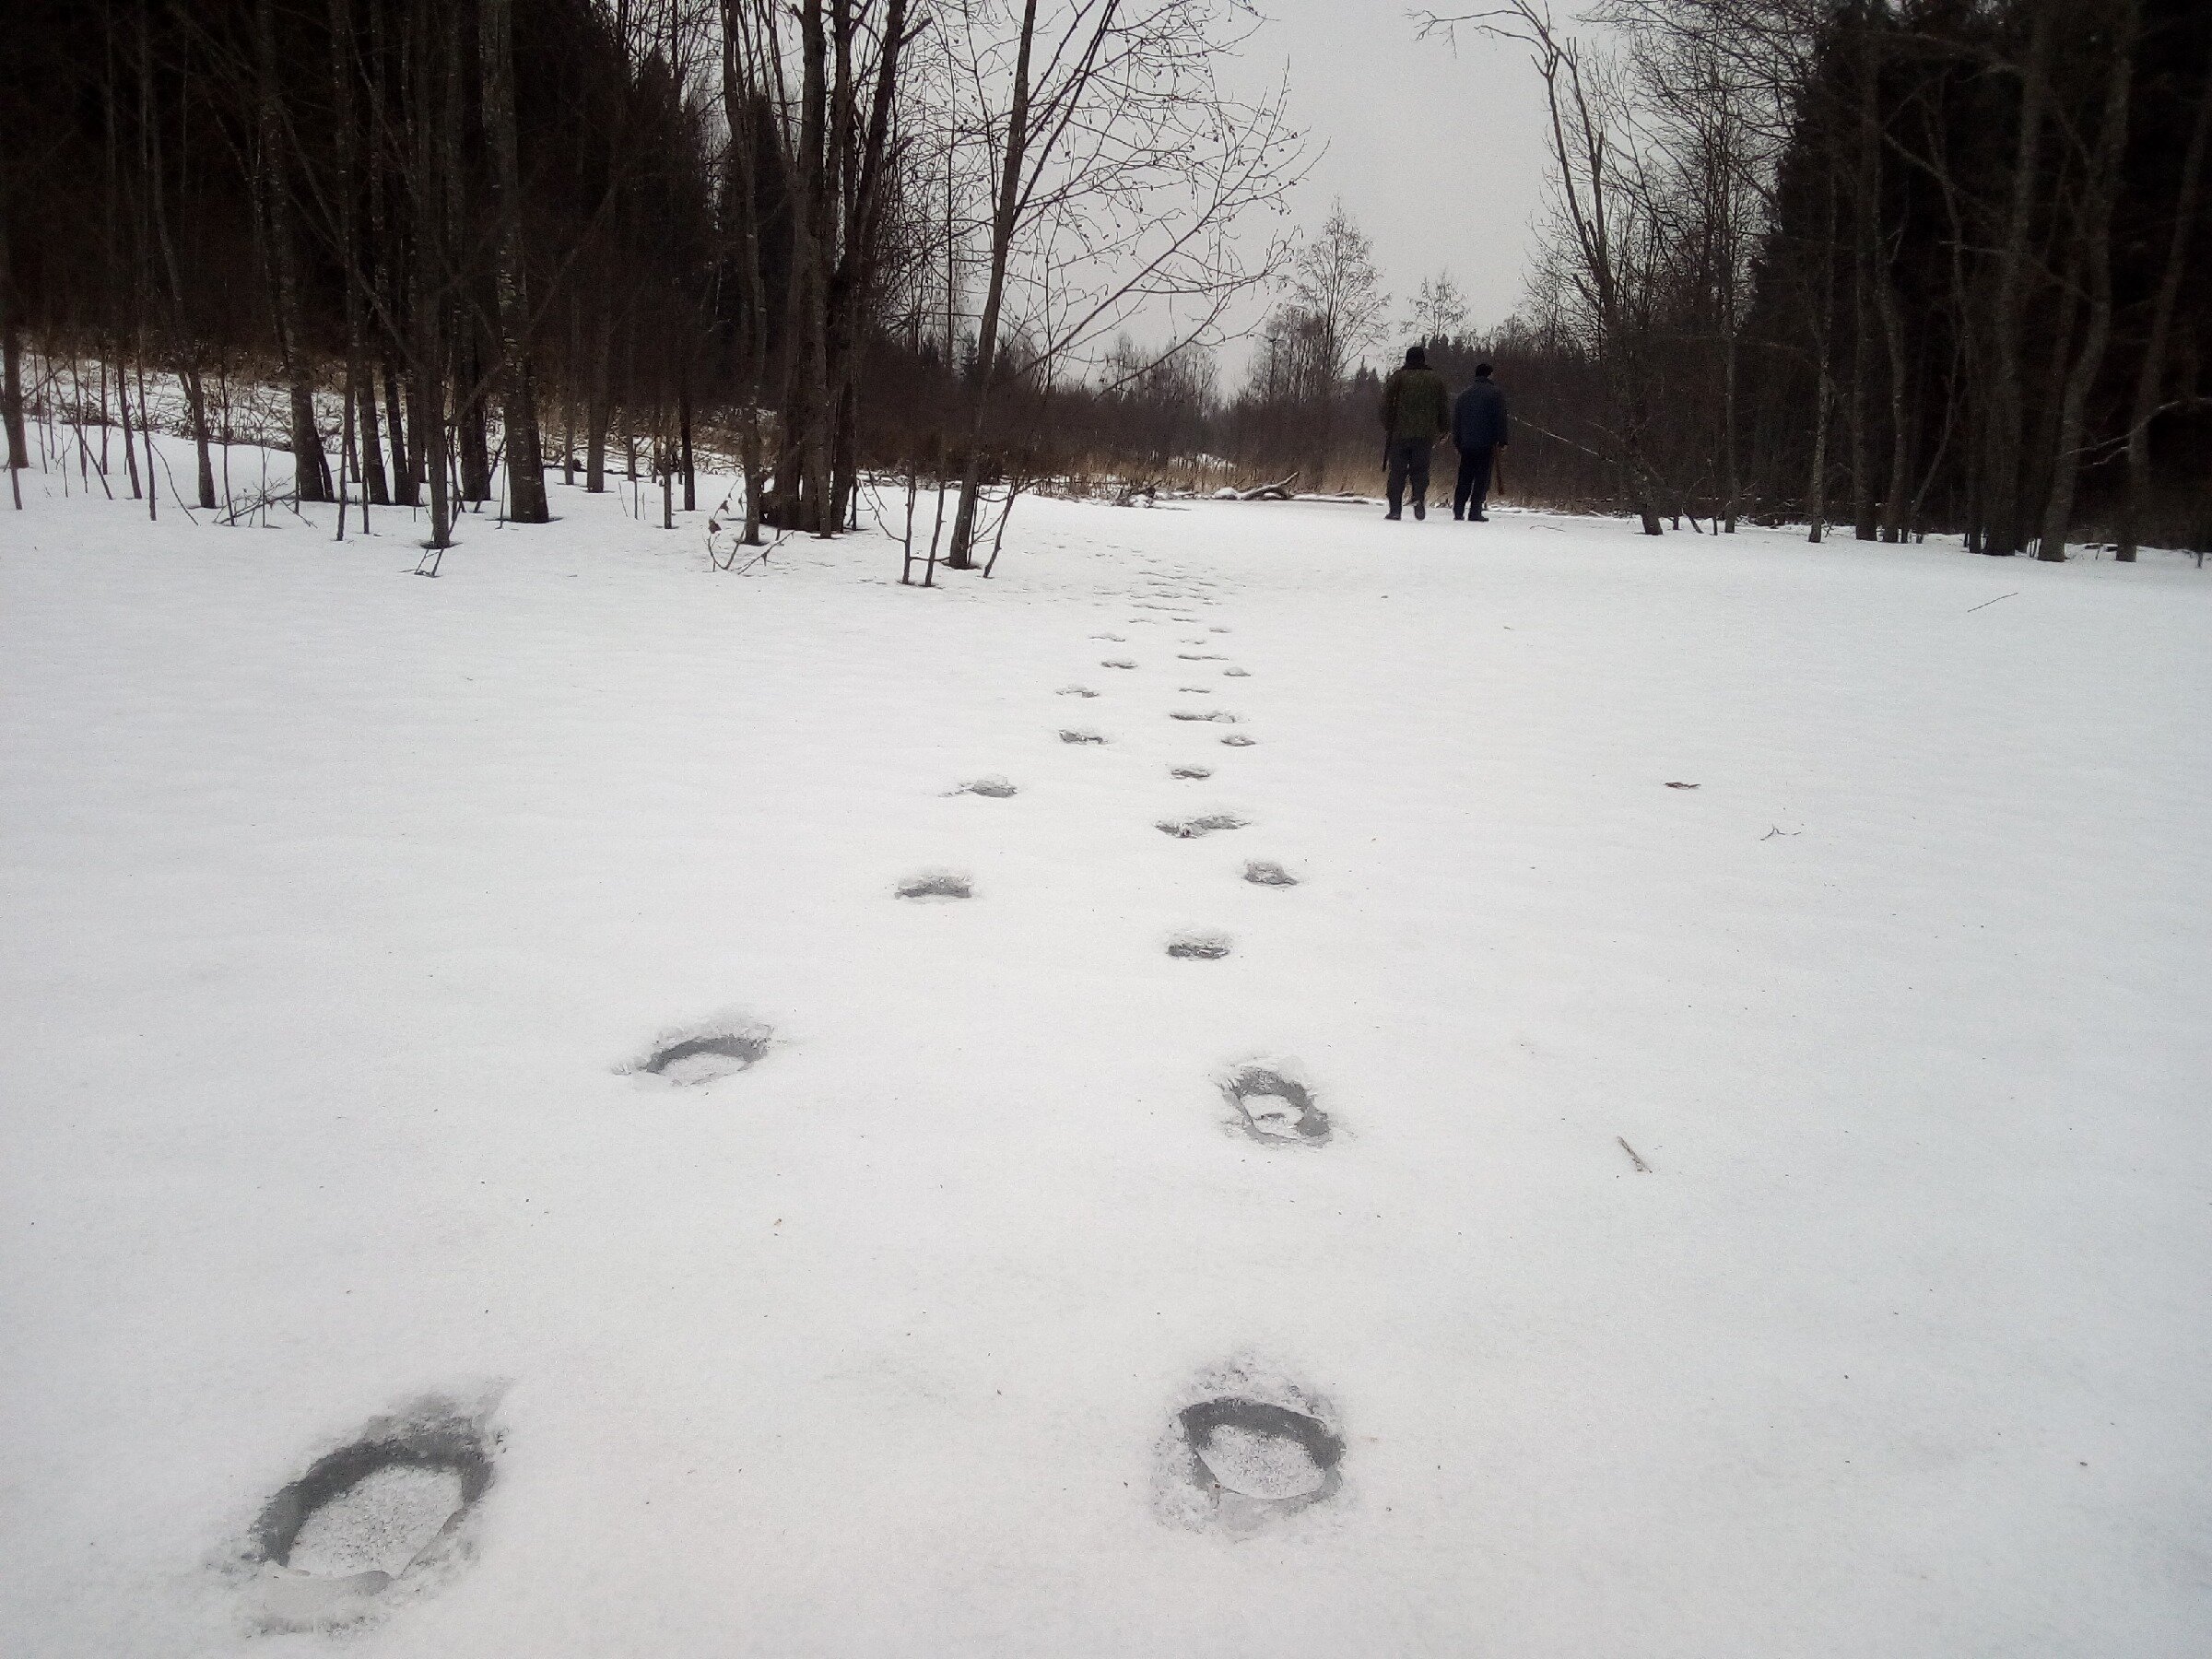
(1885, 269)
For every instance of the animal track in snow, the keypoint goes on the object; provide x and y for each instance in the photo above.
(936, 884)
(1190, 772)
(1264, 872)
(1197, 690)
(1074, 691)
(1192, 827)
(1116, 662)
(1221, 716)
(1239, 740)
(1076, 737)
(1217, 630)
(1275, 1108)
(1199, 656)
(386, 1511)
(1237, 673)
(998, 789)
(1116, 638)
(1199, 946)
(703, 1053)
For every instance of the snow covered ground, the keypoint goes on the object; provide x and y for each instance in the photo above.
(350, 916)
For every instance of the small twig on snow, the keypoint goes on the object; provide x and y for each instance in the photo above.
(1987, 603)
(1634, 1157)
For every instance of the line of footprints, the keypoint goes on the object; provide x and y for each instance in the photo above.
(1246, 1445)
(392, 1514)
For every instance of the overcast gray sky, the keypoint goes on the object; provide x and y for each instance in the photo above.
(1438, 155)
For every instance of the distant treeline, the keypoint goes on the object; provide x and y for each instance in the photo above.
(471, 217)
(1938, 264)
(505, 235)
(1900, 265)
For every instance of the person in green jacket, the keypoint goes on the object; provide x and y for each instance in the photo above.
(1416, 411)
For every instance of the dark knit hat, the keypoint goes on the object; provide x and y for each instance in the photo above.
(1482, 372)
(1416, 357)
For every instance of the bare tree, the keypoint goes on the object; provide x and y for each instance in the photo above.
(810, 99)
(1713, 138)
(1600, 258)
(2099, 193)
(11, 361)
(2003, 429)
(1335, 280)
(1438, 310)
(2151, 375)
(525, 460)
(1122, 173)
(310, 468)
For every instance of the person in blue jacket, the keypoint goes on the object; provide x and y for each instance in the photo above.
(1478, 432)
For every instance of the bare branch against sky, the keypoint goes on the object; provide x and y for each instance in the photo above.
(1436, 146)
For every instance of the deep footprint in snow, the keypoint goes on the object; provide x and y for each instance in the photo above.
(1275, 1108)
(1199, 946)
(387, 1511)
(1221, 716)
(1252, 1447)
(1190, 828)
(1117, 662)
(1197, 690)
(1074, 691)
(703, 1053)
(1237, 673)
(1264, 1452)
(1263, 872)
(998, 789)
(1190, 772)
(1239, 740)
(1073, 736)
(929, 885)
(1199, 656)
(1116, 638)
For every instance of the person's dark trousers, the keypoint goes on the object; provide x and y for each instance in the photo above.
(1474, 487)
(1409, 465)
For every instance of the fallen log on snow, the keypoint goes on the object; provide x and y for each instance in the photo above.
(1278, 491)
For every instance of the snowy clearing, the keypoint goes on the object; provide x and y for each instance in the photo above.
(725, 1080)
